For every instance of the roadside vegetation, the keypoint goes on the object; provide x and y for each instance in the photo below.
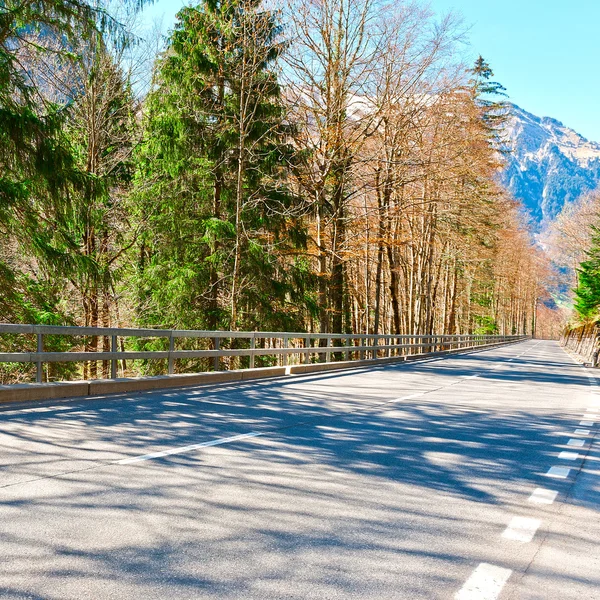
(314, 166)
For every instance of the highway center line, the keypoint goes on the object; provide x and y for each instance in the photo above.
(235, 438)
(486, 583)
(409, 397)
(521, 529)
(183, 449)
(543, 496)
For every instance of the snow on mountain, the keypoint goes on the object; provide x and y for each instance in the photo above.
(549, 165)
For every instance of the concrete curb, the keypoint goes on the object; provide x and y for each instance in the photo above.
(27, 392)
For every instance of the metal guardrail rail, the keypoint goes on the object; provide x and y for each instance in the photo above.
(343, 346)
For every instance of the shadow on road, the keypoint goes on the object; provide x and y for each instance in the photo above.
(344, 495)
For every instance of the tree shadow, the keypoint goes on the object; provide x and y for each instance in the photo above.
(344, 496)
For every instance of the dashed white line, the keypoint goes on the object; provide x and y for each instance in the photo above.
(558, 472)
(543, 496)
(582, 432)
(190, 448)
(521, 529)
(486, 583)
(568, 455)
(586, 423)
(576, 443)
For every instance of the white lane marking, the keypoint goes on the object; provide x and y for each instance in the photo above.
(587, 423)
(543, 496)
(486, 583)
(409, 397)
(558, 472)
(521, 529)
(190, 448)
(469, 376)
(582, 432)
(568, 455)
(576, 443)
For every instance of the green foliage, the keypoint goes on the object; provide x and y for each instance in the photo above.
(587, 292)
(489, 96)
(203, 231)
(485, 325)
(38, 170)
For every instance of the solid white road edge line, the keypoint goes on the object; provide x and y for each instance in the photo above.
(190, 448)
(543, 496)
(486, 583)
(521, 529)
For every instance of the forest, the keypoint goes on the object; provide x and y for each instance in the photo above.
(313, 165)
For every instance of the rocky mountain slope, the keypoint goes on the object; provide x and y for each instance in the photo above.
(549, 165)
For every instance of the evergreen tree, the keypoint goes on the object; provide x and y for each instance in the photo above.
(587, 292)
(37, 166)
(489, 96)
(222, 230)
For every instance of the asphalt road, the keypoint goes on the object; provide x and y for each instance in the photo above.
(441, 479)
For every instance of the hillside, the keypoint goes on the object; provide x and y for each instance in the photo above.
(550, 164)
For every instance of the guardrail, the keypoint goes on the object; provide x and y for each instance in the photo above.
(286, 345)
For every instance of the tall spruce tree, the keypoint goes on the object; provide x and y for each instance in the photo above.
(587, 292)
(37, 166)
(222, 232)
(490, 96)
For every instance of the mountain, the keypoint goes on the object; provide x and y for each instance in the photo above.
(549, 164)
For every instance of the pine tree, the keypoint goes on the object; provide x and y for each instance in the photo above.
(222, 235)
(587, 292)
(37, 166)
(489, 96)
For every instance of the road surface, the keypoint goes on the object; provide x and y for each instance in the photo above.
(472, 477)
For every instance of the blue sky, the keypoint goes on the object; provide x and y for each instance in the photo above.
(546, 53)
